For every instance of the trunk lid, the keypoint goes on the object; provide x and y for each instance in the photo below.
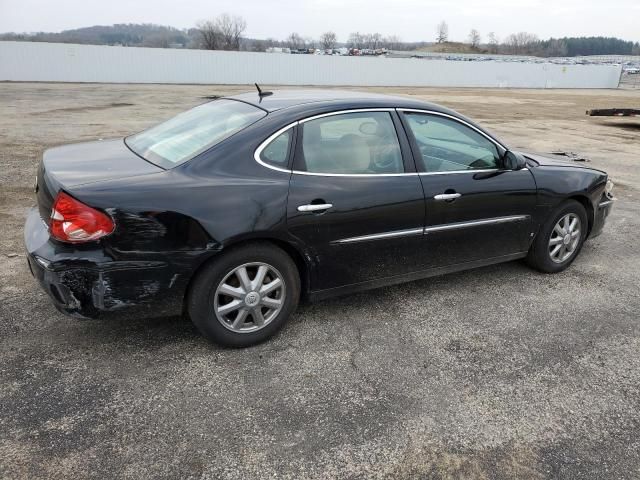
(67, 166)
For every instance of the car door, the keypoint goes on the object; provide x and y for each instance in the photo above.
(355, 199)
(475, 210)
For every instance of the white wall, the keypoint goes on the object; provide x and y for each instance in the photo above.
(57, 62)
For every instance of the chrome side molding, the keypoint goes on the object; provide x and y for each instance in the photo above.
(432, 229)
(380, 236)
(475, 223)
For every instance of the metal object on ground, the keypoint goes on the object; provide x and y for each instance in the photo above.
(614, 112)
(571, 155)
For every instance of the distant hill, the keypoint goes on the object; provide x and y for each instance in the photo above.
(127, 34)
(450, 47)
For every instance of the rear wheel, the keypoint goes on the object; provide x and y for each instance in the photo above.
(560, 239)
(245, 296)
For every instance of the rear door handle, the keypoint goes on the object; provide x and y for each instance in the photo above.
(447, 196)
(315, 207)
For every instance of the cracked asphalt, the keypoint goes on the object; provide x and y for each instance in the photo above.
(494, 373)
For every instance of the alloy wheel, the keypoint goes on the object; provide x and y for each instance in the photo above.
(249, 297)
(564, 238)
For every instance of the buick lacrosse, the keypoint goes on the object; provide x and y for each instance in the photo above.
(233, 211)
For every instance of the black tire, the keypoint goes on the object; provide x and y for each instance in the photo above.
(201, 296)
(539, 257)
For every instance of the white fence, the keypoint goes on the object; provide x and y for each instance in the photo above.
(57, 62)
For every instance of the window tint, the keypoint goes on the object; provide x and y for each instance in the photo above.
(351, 143)
(277, 151)
(447, 145)
(192, 132)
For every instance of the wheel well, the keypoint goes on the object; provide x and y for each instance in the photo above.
(289, 249)
(588, 207)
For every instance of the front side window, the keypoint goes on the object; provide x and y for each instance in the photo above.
(351, 143)
(447, 145)
(192, 132)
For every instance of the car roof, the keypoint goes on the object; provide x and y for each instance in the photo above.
(288, 98)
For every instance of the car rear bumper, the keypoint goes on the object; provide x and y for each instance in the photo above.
(87, 282)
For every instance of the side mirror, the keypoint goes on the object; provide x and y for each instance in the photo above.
(513, 161)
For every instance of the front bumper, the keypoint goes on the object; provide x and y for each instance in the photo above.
(88, 281)
(603, 210)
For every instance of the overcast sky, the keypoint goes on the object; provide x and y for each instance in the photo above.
(412, 20)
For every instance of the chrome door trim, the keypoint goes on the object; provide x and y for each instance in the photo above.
(459, 120)
(380, 236)
(263, 145)
(475, 223)
(341, 112)
(479, 170)
(364, 175)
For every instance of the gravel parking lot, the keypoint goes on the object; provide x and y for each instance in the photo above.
(499, 372)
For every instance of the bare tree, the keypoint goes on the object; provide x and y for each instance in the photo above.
(295, 41)
(258, 46)
(520, 43)
(557, 48)
(474, 38)
(211, 38)
(377, 40)
(223, 32)
(392, 42)
(356, 40)
(328, 40)
(231, 28)
(372, 40)
(442, 32)
(493, 43)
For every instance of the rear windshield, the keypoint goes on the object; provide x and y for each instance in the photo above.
(192, 132)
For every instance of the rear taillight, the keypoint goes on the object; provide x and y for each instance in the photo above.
(73, 221)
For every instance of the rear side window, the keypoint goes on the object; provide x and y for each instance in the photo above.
(351, 143)
(192, 132)
(277, 151)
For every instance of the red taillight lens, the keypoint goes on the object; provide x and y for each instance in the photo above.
(73, 221)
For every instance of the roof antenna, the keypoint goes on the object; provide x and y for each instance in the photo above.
(262, 93)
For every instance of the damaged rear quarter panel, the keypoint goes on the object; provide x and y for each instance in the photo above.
(167, 225)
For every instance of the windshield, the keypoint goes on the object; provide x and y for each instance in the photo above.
(192, 132)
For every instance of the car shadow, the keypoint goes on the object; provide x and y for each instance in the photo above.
(158, 332)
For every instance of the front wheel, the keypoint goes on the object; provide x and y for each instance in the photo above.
(560, 238)
(245, 296)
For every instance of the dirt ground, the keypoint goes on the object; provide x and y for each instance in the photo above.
(499, 372)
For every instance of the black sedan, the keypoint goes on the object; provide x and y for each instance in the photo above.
(234, 210)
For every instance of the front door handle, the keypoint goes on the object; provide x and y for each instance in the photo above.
(447, 196)
(315, 207)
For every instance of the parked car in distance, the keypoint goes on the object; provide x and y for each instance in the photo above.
(234, 210)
